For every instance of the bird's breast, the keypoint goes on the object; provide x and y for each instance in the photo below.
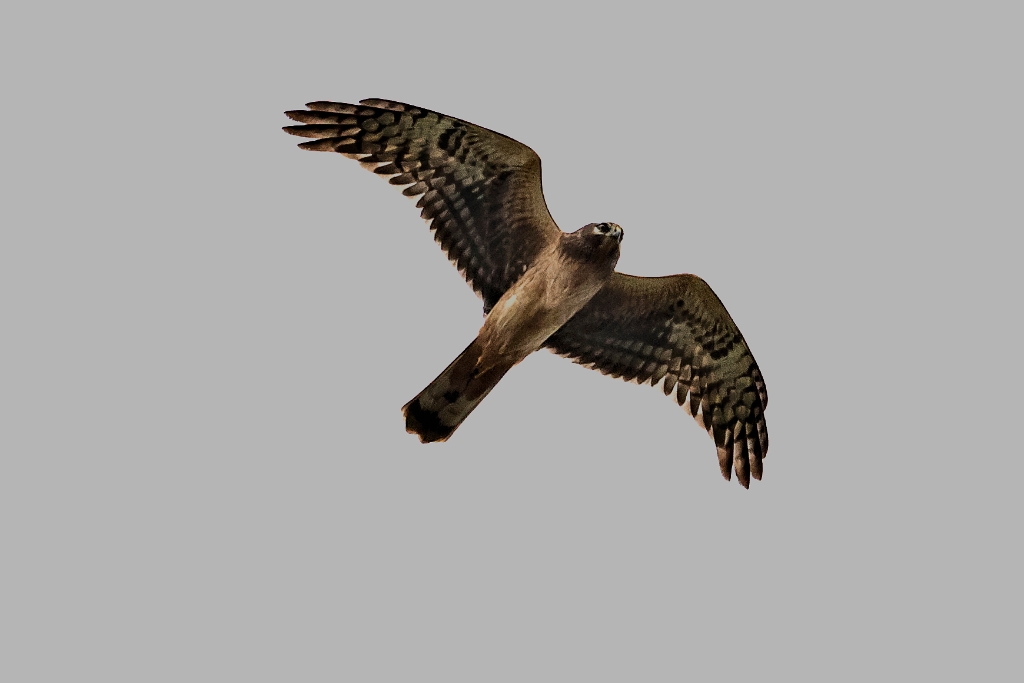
(536, 306)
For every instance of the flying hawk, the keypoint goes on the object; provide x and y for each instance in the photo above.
(481, 194)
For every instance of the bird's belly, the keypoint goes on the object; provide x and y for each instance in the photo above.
(530, 312)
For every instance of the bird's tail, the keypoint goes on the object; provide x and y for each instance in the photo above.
(438, 410)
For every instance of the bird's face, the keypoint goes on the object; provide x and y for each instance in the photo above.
(610, 230)
(596, 242)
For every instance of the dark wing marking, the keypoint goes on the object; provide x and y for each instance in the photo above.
(675, 330)
(481, 191)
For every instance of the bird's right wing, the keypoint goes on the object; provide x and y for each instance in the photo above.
(481, 191)
(675, 330)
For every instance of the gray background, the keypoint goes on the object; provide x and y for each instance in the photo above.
(208, 334)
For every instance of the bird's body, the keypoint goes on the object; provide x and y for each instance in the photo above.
(550, 292)
(547, 295)
(542, 287)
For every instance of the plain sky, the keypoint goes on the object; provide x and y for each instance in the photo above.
(208, 334)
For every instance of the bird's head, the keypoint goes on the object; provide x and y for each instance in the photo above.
(595, 242)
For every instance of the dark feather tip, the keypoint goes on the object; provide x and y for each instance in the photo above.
(425, 424)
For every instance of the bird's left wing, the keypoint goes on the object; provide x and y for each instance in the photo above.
(481, 191)
(676, 331)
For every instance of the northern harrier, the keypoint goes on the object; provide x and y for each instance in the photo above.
(481, 194)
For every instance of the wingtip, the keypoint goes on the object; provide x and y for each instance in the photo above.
(325, 145)
(728, 463)
(333, 107)
(390, 105)
(756, 468)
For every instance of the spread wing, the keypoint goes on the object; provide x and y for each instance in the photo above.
(676, 331)
(481, 191)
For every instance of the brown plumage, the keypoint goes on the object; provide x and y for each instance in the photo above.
(481, 193)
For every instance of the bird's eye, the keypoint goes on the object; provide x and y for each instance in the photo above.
(601, 228)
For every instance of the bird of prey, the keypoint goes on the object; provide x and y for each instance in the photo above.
(480, 192)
